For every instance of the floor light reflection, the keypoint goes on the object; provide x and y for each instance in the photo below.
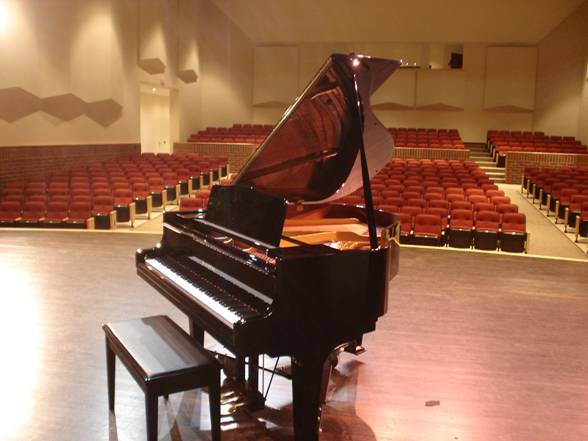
(20, 343)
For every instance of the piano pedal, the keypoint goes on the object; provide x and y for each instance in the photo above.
(228, 394)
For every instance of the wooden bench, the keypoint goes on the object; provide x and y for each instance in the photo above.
(163, 359)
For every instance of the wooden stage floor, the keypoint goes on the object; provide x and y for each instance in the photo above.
(501, 342)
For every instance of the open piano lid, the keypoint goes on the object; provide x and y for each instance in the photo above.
(312, 155)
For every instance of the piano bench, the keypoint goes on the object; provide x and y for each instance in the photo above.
(162, 359)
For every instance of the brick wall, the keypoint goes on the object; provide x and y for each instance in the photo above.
(420, 153)
(237, 153)
(517, 161)
(26, 162)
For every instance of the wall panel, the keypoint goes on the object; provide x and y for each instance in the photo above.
(275, 75)
(510, 79)
(441, 89)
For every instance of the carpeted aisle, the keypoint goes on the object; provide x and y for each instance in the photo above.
(546, 239)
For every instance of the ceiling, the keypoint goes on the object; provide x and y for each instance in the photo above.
(441, 21)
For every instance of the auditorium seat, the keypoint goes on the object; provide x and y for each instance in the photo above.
(56, 214)
(497, 200)
(484, 206)
(487, 228)
(184, 181)
(10, 213)
(33, 212)
(461, 205)
(14, 197)
(80, 215)
(461, 228)
(172, 186)
(441, 203)
(514, 236)
(428, 230)
(158, 192)
(104, 212)
(405, 227)
(506, 208)
(124, 205)
(581, 227)
(192, 204)
(443, 214)
(142, 198)
(574, 209)
(563, 202)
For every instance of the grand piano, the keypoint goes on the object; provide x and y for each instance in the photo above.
(275, 265)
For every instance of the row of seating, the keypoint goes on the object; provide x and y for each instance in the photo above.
(499, 143)
(245, 133)
(488, 230)
(440, 203)
(256, 133)
(109, 193)
(563, 192)
(55, 214)
(427, 138)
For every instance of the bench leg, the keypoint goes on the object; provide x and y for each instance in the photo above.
(110, 374)
(214, 402)
(196, 332)
(151, 414)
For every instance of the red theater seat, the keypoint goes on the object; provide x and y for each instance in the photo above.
(33, 212)
(461, 228)
(10, 213)
(428, 230)
(124, 205)
(56, 214)
(80, 215)
(514, 236)
(487, 228)
(104, 213)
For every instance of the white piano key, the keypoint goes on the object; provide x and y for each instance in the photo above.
(212, 305)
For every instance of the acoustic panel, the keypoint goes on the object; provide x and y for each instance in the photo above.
(510, 79)
(65, 107)
(16, 103)
(104, 112)
(398, 92)
(275, 75)
(440, 90)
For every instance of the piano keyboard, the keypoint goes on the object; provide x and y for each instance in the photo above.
(224, 306)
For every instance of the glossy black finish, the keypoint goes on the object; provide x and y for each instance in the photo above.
(246, 211)
(163, 360)
(316, 299)
(312, 153)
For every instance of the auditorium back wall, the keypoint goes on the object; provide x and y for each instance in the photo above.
(71, 70)
(562, 78)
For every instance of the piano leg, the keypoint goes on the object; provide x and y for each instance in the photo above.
(240, 369)
(196, 332)
(255, 400)
(310, 375)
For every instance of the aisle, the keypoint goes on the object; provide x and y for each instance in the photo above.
(546, 239)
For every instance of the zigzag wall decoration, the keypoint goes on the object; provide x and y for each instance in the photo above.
(16, 103)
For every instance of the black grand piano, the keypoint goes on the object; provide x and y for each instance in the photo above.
(275, 265)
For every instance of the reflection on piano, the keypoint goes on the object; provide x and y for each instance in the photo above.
(275, 266)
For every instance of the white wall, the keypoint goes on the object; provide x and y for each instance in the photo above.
(71, 69)
(424, 98)
(561, 103)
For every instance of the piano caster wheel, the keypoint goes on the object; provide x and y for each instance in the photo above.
(355, 349)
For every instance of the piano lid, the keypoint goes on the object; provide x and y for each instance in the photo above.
(311, 156)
